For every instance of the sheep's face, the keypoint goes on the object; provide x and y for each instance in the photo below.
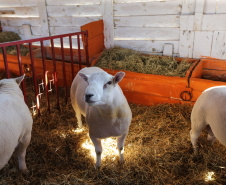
(100, 89)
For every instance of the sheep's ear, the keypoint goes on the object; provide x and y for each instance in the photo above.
(20, 79)
(118, 77)
(84, 76)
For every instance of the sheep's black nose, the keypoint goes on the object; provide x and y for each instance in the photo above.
(88, 96)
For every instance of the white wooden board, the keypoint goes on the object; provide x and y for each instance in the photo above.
(221, 6)
(74, 10)
(187, 22)
(58, 30)
(72, 21)
(202, 43)
(148, 8)
(219, 45)
(107, 9)
(27, 31)
(147, 33)
(18, 3)
(188, 7)
(148, 21)
(210, 6)
(215, 22)
(18, 21)
(186, 43)
(71, 2)
(147, 46)
(31, 11)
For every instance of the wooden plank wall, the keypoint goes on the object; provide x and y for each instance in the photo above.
(147, 26)
(184, 28)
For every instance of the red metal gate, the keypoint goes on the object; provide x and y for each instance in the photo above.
(83, 34)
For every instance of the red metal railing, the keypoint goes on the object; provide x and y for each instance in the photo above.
(41, 40)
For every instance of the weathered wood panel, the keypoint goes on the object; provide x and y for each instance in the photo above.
(219, 45)
(186, 44)
(202, 43)
(210, 6)
(147, 33)
(72, 20)
(18, 21)
(148, 8)
(147, 46)
(31, 11)
(187, 22)
(215, 22)
(71, 2)
(63, 30)
(16, 3)
(74, 10)
(171, 21)
(188, 7)
(221, 6)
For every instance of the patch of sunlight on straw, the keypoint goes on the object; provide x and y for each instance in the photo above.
(109, 146)
(209, 176)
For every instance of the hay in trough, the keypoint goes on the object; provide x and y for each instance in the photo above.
(8, 36)
(157, 151)
(126, 59)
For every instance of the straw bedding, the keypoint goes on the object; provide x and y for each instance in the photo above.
(126, 59)
(157, 151)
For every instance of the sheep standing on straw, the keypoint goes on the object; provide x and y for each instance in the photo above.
(96, 95)
(209, 112)
(15, 122)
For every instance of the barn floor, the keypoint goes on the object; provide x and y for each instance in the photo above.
(157, 151)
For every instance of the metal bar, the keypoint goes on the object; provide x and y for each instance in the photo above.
(6, 62)
(21, 70)
(34, 78)
(55, 74)
(63, 67)
(79, 53)
(39, 39)
(72, 63)
(45, 75)
(86, 48)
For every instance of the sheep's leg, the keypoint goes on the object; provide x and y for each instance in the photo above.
(194, 134)
(21, 151)
(210, 136)
(120, 146)
(98, 150)
(78, 114)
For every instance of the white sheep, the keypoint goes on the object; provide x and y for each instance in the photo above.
(209, 111)
(15, 122)
(96, 95)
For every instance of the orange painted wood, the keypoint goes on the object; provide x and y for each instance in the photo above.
(214, 64)
(95, 37)
(197, 72)
(13, 67)
(148, 99)
(94, 28)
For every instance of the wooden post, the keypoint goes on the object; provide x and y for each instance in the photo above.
(27, 31)
(43, 19)
(107, 9)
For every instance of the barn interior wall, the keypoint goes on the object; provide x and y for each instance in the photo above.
(184, 28)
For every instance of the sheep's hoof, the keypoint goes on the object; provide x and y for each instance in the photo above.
(97, 167)
(26, 172)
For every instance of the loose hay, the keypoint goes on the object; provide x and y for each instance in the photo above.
(157, 151)
(8, 36)
(126, 59)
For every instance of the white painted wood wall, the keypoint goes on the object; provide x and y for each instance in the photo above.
(185, 28)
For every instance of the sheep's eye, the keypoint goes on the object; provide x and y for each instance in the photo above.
(109, 83)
